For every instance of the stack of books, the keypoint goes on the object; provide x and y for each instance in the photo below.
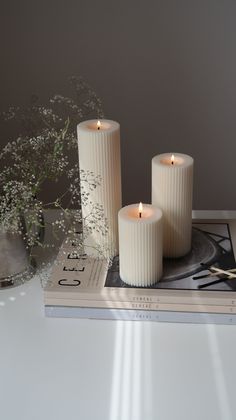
(190, 291)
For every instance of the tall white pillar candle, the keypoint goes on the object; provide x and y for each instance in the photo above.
(172, 190)
(99, 153)
(140, 244)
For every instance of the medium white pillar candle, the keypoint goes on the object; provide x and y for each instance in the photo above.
(172, 191)
(140, 244)
(99, 152)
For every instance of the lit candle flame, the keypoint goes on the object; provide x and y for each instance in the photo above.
(140, 209)
(172, 159)
(98, 124)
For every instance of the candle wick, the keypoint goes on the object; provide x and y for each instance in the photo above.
(140, 215)
(172, 163)
(98, 128)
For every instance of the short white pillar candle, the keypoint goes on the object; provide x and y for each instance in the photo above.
(140, 244)
(172, 191)
(99, 153)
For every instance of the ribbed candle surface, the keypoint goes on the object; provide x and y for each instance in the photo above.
(172, 190)
(140, 245)
(99, 152)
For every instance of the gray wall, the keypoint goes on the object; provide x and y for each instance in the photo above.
(165, 69)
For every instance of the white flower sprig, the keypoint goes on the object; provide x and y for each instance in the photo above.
(42, 153)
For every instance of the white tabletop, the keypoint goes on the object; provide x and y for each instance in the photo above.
(110, 370)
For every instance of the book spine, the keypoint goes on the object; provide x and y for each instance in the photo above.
(139, 315)
(191, 297)
(142, 306)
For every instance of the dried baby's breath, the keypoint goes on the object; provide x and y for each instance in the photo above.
(42, 153)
